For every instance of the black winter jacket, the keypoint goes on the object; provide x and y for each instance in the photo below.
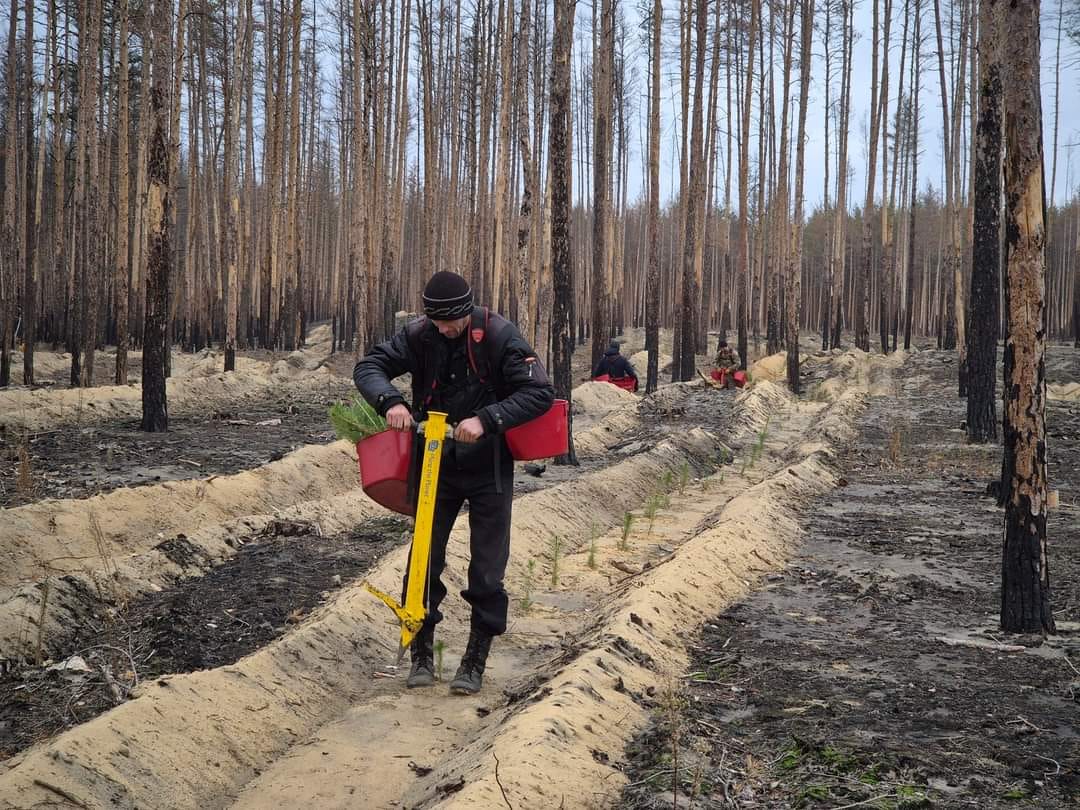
(615, 366)
(508, 387)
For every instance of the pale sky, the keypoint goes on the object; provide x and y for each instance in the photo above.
(930, 167)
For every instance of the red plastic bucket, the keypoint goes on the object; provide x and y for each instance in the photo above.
(545, 436)
(626, 383)
(718, 374)
(740, 378)
(384, 468)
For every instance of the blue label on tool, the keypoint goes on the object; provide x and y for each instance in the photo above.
(433, 445)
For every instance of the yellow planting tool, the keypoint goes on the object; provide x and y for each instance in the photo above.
(435, 431)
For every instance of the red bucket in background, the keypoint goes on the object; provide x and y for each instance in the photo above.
(740, 378)
(384, 468)
(626, 383)
(545, 436)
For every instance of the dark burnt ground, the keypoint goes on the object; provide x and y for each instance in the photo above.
(836, 684)
(78, 462)
(271, 583)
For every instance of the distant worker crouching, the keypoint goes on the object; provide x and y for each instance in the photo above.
(727, 363)
(615, 368)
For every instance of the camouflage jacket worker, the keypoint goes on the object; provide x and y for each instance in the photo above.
(727, 358)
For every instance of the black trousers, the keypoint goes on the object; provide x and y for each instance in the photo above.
(489, 539)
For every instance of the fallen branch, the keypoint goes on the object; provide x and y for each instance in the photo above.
(868, 801)
(1070, 663)
(110, 681)
(63, 794)
(980, 645)
(499, 782)
(626, 568)
(651, 776)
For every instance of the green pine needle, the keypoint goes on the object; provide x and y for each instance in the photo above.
(356, 420)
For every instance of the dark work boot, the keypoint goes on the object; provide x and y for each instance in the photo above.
(470, 675)
(422, 672)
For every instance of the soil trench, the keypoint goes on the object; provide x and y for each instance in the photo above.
(564, 513)
(602, 611)
(870, 672)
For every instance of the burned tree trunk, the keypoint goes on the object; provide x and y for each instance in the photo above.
(122, 269)
(793, 282)
(155, 410)
(985, 250)
(652, 282)
(1025, 576)
(562, 316)
(693, 204)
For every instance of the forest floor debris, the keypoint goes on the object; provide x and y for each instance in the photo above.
(870, 672)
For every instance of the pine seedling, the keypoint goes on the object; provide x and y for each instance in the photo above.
(356, 420)
(651, 507)
(525, 602)
(556, 550)
(684, 476)
(440, 647)
(627, 525)
(594, 533)
(666, 480)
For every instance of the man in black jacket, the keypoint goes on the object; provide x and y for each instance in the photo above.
(476, 367)
(615, 365)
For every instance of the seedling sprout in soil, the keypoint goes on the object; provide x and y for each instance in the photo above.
(525, 602)
(440, 647)
(594, 533)
(556, 549)
(666, 480)
(627, 524)
(24, 483)
(651, 507)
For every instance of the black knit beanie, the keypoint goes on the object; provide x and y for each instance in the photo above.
(447, 297)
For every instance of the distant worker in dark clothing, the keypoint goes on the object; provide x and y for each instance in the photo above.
(476, 367)
(615, 366)
(727, 363)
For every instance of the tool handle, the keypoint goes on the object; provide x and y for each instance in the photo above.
(421, 426)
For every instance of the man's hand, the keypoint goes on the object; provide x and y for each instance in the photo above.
(469, 430)
(399, 418)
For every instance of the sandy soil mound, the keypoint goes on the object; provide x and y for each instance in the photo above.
(197, 383)
(190, 740)
(1068, 392)
(871, 373)
(92, 540)
(220, 736)
(640, 362)
(773, 367)
(599, 398)
(594, 703)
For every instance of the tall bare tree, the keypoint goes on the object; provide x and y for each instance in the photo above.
(122, 271)
(562, 316)
(985, 253)
(31, 191)
(744, 185)
(9, 234)
(694, 196)
(1025, 575)
(652, 286)
(794, 273)
(602, 139)
(155, 410)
